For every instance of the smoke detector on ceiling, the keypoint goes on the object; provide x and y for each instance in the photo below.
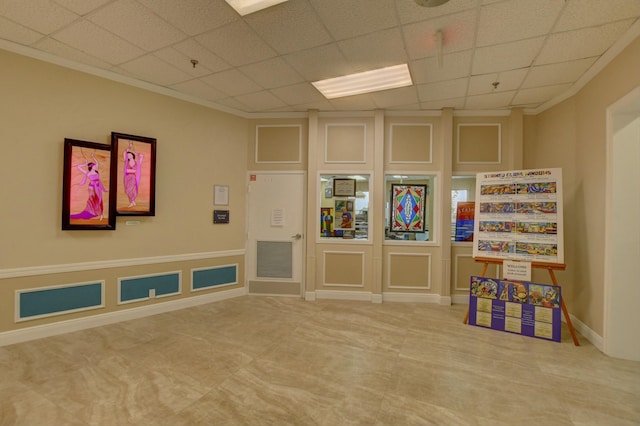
(431, 3)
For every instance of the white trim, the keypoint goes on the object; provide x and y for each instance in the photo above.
(118, 263)
(589, 334)
(209, 268)
(364, 296)
(68, 326)
(17, 293)
(298, 161)
(430, 125)
(411, 297)
(326, 143)
(324, 268)
(389, 276)
(152, 294)
(310, 296)
(460, 299)
(459, 125)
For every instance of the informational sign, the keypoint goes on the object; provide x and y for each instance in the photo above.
(221, 216)
(524, 308)
(465, 214)
(519, 216)
(516, 270)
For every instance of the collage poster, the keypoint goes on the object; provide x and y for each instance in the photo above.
(519, 216)
(524, 308)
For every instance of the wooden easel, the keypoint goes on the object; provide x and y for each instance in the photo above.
(540, 265)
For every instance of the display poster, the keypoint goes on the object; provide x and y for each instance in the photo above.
(524, 308)
(465, 213)
(519, 216)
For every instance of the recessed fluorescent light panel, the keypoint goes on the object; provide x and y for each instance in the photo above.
(245, 7)
(365, 82)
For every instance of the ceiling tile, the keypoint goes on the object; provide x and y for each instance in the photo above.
(224, 42)
(200, 90)
(409, 11)
(375, 50)
(299, 94)
(496, 100)
(207, 59)
(154, 70)
(261, 101)
(585, 13)
(82, 7)
(43, 16)
(538, 95)
(403, 96)
(516, 20)
(301, 20)
(505, 57)
(507, 80)
(90, 38)
(64, 51)
(454, 65)
(443, 90)
(562, 72)
(193, 17)
(458, 33)
(456, 103)
(132, 21)
(182, 62)
(320, 63)
(583, 43)
(272, 73)
(17, 33)
(232, 82)
(344, 19)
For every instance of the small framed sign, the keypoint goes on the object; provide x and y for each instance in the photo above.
(344, 187)
(221, 216)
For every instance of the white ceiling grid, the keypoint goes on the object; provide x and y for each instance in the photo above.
(264, 62)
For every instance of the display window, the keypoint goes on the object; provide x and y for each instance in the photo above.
(344, 206)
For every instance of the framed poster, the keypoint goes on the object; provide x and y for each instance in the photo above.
(134, 159)
(88, 198)
(408, 208)
(344, 187)
(519, 216)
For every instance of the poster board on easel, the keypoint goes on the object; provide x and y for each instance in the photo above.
(519, 216)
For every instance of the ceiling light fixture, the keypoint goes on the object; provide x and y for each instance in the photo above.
(365, 82)
(245, 7)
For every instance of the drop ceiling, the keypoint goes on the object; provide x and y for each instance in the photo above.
(494, 54)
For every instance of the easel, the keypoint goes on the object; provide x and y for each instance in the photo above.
(540, 265)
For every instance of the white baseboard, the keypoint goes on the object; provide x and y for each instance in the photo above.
(411, 297)
(364, 296)
(310, 296)
(589, 334)
(460, 299)
(68, 326)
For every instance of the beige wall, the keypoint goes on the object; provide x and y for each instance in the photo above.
(572, 135)
(41, 104)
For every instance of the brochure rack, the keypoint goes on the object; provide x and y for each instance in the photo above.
(540, 265)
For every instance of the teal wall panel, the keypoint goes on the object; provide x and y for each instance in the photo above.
(51, 301)
(212, 277)
(135, 288)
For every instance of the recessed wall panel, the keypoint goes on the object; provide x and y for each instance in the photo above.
(345, 143)
(409, 270)
(278, 144)
(410, 143)
(343, 269)
(204, 278)
(479, 144)
(142, 287)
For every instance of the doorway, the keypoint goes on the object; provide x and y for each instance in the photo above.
(622, 232)
(275, 238)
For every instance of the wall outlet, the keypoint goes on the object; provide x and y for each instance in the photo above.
(152, 293)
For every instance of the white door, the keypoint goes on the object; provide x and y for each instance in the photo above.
(275, 238)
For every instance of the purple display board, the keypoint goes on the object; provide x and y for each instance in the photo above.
(516, 307)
